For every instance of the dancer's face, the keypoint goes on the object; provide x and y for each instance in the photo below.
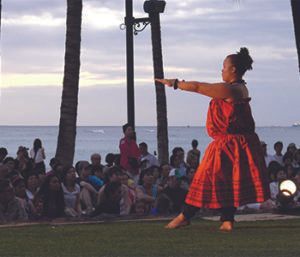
(228, 71)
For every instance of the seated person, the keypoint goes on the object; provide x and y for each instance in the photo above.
(49, 201)
(147, 190)
(71, 192)
(11, 209)
(110, 200)
(175, 192)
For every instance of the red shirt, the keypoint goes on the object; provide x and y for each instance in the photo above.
(128, 149)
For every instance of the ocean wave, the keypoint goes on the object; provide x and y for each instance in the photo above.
(98, 131)
(150, 130)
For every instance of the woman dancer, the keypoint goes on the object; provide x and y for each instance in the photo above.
(232, 172)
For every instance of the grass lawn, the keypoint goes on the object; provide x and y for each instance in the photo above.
(201, 239)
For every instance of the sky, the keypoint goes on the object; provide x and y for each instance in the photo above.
(196, 37)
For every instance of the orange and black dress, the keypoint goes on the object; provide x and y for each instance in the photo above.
(233, 171)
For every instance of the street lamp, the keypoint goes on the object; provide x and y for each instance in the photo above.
(157, 6)
(133, 26)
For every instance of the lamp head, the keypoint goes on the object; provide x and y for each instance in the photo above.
(152, 6)
(287, 188)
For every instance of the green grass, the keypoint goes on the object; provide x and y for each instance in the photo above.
(201, 239)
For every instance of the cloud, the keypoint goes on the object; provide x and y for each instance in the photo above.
(196, 36)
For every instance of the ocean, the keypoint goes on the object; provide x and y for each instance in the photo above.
(105, 140)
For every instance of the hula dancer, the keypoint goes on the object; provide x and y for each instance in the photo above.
(233, 171)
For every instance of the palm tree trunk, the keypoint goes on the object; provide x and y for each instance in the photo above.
(161, 103)
(296, 18)
(68, 110)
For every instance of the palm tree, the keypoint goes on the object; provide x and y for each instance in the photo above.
(68, 110)
(161, 103)
(296, 18)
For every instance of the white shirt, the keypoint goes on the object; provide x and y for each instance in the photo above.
(151, 160)
(70, 197)
(278, 158)
(39, 157)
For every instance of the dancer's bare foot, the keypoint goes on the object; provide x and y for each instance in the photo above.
(177, 222)
(226, 226)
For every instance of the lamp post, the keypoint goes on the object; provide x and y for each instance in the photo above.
(133, 27)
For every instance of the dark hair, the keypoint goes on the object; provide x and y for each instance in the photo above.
(143, 173)
(194, 143)
(80, 165)
(110, 158)
(278, 143)
(46, 196)
(111, 171)
(37, 144)
(242, 61)
(125, 126)
(273, 168)
(7, 159)
(111, 188)
(176, 150)
(65, 171)
(143, 144)
(31, 174)
(54, 161)
(3, 151)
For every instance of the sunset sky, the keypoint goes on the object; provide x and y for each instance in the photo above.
(196, 37)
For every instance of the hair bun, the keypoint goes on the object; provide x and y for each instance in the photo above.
(243, 51)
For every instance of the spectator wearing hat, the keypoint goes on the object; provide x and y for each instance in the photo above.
(24, 163)
(88, 193)
(129, 151)
(268, 157)
(11, 209)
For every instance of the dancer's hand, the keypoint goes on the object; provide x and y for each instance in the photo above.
(166, 82)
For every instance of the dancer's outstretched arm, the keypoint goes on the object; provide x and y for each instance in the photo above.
(214, 90)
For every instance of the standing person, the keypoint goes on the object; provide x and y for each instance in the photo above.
(129, 151)
(232, 172)
(278, 157)
(37, 153)
(193, 155)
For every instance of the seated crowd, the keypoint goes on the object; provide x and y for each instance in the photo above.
(132, 182)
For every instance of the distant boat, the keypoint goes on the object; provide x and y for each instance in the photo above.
(296, 124)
